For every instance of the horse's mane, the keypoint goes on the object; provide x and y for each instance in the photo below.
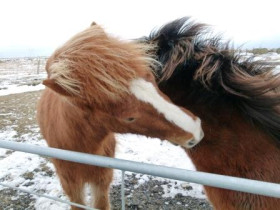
(195, 61)
(97, 66)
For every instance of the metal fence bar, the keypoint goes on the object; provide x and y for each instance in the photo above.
(214, 180)
(122, 191)
(47, 196)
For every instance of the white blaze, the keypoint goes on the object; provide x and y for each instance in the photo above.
(146, 92)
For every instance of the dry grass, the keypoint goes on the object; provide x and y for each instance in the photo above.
(19, 112)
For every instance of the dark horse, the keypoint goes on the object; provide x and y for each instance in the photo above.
(238, 103)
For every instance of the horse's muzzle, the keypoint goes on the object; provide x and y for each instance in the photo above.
(195, 140)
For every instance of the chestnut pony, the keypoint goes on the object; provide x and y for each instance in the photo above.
(238, 101)
(98, 85)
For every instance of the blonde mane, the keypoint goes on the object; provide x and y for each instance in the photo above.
(95, 66)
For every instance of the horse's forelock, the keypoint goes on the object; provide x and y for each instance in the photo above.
(99, 66)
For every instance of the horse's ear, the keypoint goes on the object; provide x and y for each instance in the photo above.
(60, 79)
(93, 23)
(51, 83)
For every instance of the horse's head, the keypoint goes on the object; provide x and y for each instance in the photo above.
(110, 81)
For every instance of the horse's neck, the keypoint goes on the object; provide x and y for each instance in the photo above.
(234, 146)
(77, 122)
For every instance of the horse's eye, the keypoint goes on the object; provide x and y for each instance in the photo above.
(130, 119)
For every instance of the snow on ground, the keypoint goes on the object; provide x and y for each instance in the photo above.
(16, 167)
(13, 89)
(154, 151)
(21, 75)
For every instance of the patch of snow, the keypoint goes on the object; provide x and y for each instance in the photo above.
(277, 70)
(13, 89)
(5, 114)
(154, 151)
(7, 134)
(175, 187)
(21, 75)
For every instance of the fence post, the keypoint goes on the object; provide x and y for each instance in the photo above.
(122, 191)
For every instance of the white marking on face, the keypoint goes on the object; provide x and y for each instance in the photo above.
(146, 92)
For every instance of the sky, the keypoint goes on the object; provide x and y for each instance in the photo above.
(38, 27)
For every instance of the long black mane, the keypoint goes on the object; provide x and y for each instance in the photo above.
(191, 58)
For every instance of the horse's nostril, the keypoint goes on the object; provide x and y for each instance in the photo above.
(191, 143)
(195, 140)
